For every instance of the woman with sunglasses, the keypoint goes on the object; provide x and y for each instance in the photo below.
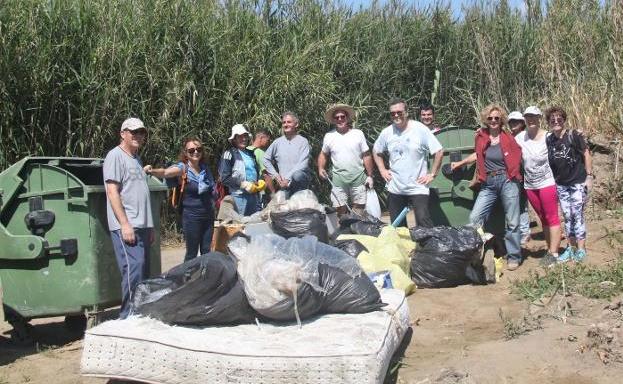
(498, 160)
(572, 166)
(197, 198)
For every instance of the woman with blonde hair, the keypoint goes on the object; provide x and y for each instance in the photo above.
(498, 163)
(197, 197)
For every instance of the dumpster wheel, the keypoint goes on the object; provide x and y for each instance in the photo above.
(76, 322)
(94, 317)
(22, 332)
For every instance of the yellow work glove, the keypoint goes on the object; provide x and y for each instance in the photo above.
(260, 185)
(248, 186)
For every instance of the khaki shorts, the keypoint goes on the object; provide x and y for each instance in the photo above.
(352, 195)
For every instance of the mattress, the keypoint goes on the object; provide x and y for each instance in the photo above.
(335, 348)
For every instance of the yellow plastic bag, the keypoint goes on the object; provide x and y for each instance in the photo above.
(388, 252)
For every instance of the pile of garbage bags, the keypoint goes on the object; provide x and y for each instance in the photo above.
(267, 277)
(294, 274)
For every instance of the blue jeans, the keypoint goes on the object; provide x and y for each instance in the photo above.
(198, 235)
(133, 262)
(246, 203)
(298, 181)
(500, 187)
(524, 217)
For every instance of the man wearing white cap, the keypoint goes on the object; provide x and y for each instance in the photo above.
(350, 156)
(239, 171)
(287, 158)
(129, 209)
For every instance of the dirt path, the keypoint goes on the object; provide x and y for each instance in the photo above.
(458, 336)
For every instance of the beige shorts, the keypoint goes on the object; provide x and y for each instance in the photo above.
(352, 195)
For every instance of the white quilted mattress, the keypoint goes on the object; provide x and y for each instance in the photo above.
(337, 348)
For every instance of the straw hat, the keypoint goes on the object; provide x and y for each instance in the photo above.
(350, 111)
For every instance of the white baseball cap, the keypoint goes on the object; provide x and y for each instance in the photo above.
(238, 129)
(533, 110)
(132, 124)
(515, 115)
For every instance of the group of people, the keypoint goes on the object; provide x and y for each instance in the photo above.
(551, 169)
(548, 166)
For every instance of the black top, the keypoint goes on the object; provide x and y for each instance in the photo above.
(494, 160)
(566, 157)
(195, 205)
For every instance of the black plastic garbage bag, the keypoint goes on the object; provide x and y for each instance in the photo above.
(202, 291)
(446, 257)
(352, 247)
(340, 294)
(299, 223)
(323, 278)
(360, 225)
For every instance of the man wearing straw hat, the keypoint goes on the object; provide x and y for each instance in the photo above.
(352, 166)
(287, 158)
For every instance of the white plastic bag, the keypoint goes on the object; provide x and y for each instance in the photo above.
(272, 268)
(373, 207)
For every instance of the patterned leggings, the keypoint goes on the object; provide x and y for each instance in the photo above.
(572, 201)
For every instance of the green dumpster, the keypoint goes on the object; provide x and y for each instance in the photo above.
(56, 255)
(451, 199)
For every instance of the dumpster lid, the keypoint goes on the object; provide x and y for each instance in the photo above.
(455, 138)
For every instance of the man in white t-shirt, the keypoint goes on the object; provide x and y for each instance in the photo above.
(408, 144)
(352, 166)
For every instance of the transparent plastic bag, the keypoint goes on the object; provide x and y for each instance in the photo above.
(282, 276)
(304, 199)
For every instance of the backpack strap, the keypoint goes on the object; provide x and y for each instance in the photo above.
(183, 179)
(178, 191)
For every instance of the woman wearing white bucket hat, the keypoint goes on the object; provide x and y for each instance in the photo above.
(239, 171)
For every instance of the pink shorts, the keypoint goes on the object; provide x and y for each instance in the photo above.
(545, 204)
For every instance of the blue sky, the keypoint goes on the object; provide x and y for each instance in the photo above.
(455, 4)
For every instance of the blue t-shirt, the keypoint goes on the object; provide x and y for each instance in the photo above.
(249, 166)
(408, 156)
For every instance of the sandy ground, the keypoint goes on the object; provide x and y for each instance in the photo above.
(458, 335)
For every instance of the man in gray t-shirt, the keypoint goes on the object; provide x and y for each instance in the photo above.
(129, 209)
(287, 158)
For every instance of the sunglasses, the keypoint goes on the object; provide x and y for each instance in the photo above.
(137, 132)
(557, 120)
(493, 118)
(397, 113)
(191, 151)
(339, 117)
